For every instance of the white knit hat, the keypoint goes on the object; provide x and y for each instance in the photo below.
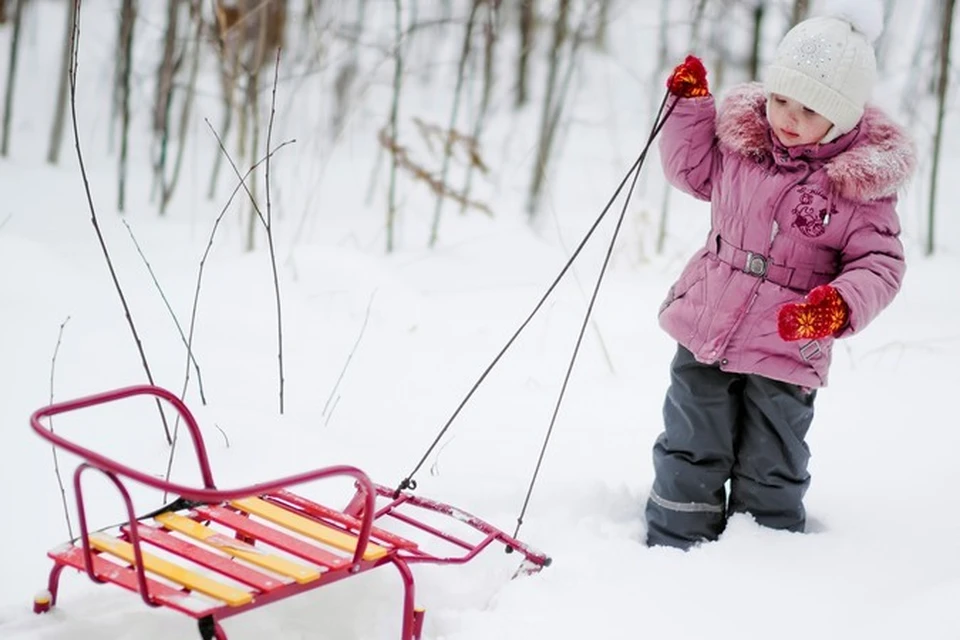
(828, 65)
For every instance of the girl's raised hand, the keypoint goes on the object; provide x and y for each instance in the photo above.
(689, 79)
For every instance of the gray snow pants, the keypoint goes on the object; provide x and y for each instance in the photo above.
(719, 426)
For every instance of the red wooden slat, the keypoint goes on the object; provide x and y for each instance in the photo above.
(126, 577)
(319, 511)
(206, 558)
(259, 531)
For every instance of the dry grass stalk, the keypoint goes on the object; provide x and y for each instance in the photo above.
(420, 174)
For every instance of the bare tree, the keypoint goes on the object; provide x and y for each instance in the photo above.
(229, 44)
(946, 37)
(347, 74)
(60, 110)
(699, 11)
(882, 43)
(269, 20)
(163, 98)
(527, 29)
(394, 124)
(95, 220)
(547, 121)
(801, 8)
(170, 184)
(489, 50)
(11, 76)
(247, 31)
(128, 16)
(603, 20)
(758, 13)
(447, 147)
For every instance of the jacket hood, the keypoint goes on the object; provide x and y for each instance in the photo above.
(872, 162)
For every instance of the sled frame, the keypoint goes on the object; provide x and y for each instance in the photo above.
(283, 544)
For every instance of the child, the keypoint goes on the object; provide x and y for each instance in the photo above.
(802, 180)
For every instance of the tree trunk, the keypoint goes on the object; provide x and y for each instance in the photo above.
(128, 15)
(164, 99)
(946, 36)
(547, 124)
(527, 26)
(758, 12)
(394, 124)
(603, 18)
(663, 41)
(881, 46)
(252, 107)
(489, 50)
(699, 12)
(347, 75)
(11, 77)
(186, 108)
(800, 10)
(60, 113)
(448, 143)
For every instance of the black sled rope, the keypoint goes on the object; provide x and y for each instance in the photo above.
(634, 172)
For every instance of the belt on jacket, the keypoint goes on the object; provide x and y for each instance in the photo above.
(759, 266)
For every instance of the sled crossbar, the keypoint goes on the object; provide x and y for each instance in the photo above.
(212, 553)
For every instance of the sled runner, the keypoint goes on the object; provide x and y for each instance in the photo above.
(212, 554)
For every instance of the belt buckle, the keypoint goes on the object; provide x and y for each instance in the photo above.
(756, 264)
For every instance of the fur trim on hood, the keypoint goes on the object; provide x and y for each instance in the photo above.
(876, 164)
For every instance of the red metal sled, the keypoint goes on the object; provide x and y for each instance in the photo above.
(223, 552)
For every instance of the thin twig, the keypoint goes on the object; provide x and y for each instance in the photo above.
(332, 409)
(269, 230)
(196, 291)
(93, 212)
(56, 461)
(346, 364)
(6, 220)
(242, 178)
(223, 433)
(173, 315)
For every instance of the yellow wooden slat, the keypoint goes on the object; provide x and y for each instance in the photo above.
(173, 572)
(237, 549)
(307, 527)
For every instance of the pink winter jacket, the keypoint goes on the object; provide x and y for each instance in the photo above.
(783, 221)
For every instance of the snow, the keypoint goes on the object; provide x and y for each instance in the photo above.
(380, 349)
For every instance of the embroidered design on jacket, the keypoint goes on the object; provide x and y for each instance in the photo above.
(813, 212)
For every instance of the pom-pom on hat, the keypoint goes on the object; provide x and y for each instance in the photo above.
(827, 63)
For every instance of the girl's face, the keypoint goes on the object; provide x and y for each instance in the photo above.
(793, 123)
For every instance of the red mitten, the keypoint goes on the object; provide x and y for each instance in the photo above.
(823, 314)
(689, 79)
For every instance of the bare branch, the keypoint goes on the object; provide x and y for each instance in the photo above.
(203, 262)
(56, 461)
(243, 183)
(93, 211)
(269, 230)
(173, 315)
(346, 364)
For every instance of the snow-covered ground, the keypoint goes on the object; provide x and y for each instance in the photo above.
(380, 349)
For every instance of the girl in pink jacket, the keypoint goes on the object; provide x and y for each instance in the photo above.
(802, 179)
